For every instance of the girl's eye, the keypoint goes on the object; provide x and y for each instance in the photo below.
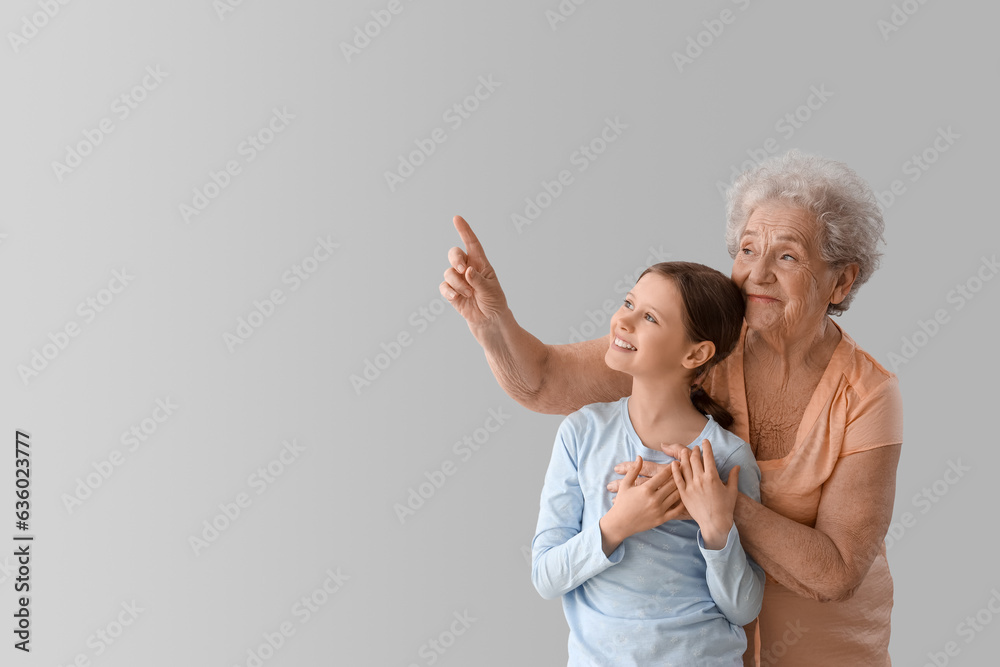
(628, 304)
(650, 318)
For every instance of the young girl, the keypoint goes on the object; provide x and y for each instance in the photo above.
(638, 589)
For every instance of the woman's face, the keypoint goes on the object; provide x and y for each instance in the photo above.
(786, 284)
(648, 335)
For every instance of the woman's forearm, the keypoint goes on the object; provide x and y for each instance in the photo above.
(551, 379)
(801, 558)
(829, 562)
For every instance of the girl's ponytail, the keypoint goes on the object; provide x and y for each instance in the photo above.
(708, 406)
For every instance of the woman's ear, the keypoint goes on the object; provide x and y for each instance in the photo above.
(845, 280)
(699, 354)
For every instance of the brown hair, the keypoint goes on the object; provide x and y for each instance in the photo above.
(713, 311)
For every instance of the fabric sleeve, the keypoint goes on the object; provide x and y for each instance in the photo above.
(876, 419)
(564, 553)
(735, 581)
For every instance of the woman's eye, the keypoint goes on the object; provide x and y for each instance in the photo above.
(788, 256)
(745, 251)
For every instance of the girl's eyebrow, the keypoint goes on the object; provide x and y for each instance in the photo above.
(649, 308)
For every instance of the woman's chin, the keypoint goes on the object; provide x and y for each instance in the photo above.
(761, 320)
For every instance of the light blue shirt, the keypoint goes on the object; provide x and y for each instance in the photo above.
(662, 598)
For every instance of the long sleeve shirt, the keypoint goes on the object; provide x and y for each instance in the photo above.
(661, 597)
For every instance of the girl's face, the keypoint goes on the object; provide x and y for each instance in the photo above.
(648, 336)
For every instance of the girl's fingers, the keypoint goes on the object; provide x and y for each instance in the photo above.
(709, 458)
(632, 473)
(671, 499)
(675, 467)
(686, 466)
(696, 464)
(660, 479)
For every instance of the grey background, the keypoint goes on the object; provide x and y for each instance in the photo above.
(332, 508)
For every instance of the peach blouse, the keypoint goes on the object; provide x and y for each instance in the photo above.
(856, 407)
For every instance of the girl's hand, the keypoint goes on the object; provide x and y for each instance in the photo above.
(639, 507)
(647, 470)
(710, 502)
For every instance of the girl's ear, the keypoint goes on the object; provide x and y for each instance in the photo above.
(699, 354)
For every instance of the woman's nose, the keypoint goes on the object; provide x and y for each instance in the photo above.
(762, 271)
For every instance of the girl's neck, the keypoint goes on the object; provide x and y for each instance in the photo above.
(662, 413)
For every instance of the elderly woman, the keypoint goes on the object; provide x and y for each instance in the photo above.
(823, 417)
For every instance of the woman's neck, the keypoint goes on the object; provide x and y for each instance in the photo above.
(785, 353)
(662, 413)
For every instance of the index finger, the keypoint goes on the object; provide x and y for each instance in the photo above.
(469, 237)
(709, 458)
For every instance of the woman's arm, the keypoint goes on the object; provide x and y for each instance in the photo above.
(552, 379)
(827, 562)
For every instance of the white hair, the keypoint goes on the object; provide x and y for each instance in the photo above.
(851, 224)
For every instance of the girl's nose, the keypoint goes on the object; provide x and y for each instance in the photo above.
(625, 321)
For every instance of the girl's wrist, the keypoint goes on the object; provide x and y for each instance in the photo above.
(612, 534)
(716, 537)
